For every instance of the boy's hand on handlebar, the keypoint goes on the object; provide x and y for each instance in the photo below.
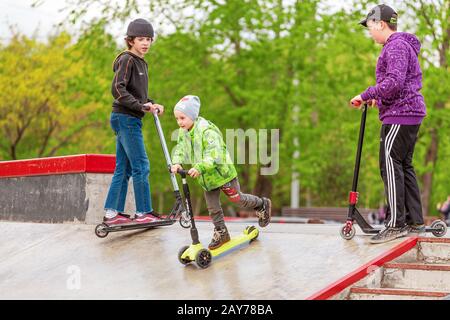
(356, 102)
(147, 107)
(174, 168)
(150, 107)
(194, 173)
(158, 107)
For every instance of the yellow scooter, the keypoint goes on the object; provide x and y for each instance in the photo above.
(196, 252)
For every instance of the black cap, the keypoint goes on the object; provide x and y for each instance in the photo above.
(140, 28)
(381, 12)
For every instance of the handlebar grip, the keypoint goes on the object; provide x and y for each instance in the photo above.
(356, 103)
(182, 172)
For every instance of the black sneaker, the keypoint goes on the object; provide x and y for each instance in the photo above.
(389, 234)
(220, 237)
(415, 229)
(264, 212)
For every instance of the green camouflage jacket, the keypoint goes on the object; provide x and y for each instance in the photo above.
(203, 148)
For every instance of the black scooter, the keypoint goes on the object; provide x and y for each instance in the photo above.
(438, 228)
(178, 211)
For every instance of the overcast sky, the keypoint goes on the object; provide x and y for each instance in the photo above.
(27, 20)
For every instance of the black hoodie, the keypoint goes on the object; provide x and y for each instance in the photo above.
(130, 84)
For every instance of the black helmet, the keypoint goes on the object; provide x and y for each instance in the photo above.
(140, 28)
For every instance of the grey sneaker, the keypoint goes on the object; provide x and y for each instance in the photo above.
(220, 237)
(264, 213)
(389, 234)
(415, 229)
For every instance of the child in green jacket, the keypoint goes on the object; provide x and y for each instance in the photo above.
(200, 144)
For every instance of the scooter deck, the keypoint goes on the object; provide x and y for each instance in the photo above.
(248, 236)
(368, 229)
(428, 229)
(135, 226)
(234, 243)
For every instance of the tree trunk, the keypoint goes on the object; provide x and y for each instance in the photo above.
(427, 179)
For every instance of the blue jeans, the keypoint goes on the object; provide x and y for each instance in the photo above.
(131, 161)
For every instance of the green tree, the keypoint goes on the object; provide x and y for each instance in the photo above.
(38, 116)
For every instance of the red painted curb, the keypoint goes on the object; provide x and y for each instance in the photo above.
(364, 270)
(83, 163)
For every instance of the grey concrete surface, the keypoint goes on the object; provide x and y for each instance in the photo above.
(67, 261)
(97, 186)
(58, 198)
(54, 198)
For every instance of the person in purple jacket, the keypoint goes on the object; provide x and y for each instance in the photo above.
(401, 111)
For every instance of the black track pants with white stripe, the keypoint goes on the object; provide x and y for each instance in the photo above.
(400, 183)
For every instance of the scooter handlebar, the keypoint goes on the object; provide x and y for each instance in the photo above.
(357, 103)
(182, 172)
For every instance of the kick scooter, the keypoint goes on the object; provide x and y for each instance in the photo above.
(438, 228)
(196, 252)
(177, 213)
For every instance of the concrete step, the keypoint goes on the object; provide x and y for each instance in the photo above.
(359, 293)
(434, 250)
(416, 276)
(428, 250)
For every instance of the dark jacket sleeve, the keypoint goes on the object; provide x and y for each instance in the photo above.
(119, 87)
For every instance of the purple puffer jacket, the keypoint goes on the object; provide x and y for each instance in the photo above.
(399, 80)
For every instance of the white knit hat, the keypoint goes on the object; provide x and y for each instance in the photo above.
(190, 106)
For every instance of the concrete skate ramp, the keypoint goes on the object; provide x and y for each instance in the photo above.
(67, 261)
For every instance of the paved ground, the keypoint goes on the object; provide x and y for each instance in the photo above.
(67, 261)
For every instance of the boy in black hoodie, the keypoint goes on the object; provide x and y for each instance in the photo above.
(130, 91)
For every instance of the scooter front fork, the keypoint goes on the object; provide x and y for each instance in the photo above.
(348, 226)
(352, 201)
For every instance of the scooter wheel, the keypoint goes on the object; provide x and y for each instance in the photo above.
(203, 258)
(249, 230)
(180, 253)
(347, 234)
(100, 230)
(185, 223)
(439, 228)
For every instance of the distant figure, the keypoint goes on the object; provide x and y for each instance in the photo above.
(444, 208)
(382, 212)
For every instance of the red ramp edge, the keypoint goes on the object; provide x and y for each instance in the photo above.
(364, 270)
(83, 163)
